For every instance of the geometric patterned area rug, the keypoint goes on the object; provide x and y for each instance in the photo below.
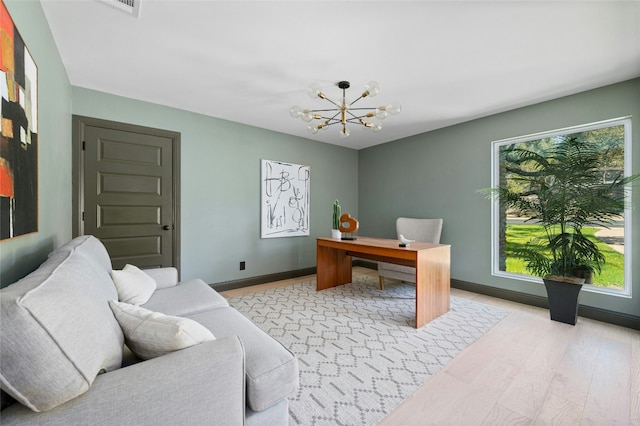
(358, 353)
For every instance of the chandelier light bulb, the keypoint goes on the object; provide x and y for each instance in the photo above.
(394, 108)
(295, 111)
(306, 116)
(381, 113)
(372, 88)
(344, 133)
(376, 127)
(314, 90)
(312, 129)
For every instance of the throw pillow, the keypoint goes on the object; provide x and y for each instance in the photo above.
(133, 285)
(151, 334)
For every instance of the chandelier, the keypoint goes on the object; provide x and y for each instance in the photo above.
(343, 111)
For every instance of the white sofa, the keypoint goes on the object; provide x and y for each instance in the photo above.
(64, 359)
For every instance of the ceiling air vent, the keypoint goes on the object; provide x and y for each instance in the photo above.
(131, 7)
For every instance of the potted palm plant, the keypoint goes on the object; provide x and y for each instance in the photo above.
(563, 191)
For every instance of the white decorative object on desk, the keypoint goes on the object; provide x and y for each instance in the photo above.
(404, 242)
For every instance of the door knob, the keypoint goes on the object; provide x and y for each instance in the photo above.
(167, 227)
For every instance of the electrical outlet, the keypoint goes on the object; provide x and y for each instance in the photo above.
(242, 265)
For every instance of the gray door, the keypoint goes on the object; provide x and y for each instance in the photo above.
(128, 191)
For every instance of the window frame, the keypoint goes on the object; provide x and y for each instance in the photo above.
(495, 208)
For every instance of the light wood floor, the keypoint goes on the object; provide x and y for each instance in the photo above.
(527, 370)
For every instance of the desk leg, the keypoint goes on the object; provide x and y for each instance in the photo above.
(333, 268)
(433, 284)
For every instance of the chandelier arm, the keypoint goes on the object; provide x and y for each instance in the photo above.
(355, 100)
(355, 117)
(333, 118)
(332, 123)
(323, 110)
(354, 121)
(336, 104)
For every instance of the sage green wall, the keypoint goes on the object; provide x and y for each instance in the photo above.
(23, 254)
(432, 174)
(220, 185)
(437, 174)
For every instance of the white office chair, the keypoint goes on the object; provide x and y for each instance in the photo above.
(423, 230)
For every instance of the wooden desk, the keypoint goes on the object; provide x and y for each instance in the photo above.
(432, 263)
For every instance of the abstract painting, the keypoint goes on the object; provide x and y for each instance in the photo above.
(19, 133)
(285, 199)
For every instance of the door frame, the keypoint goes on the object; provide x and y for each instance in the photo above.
(77, 176)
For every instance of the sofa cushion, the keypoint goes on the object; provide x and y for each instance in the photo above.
(166, 276)
(133, 285)
(56, 328)
(151, 334)
(187, 297)
(272, 371)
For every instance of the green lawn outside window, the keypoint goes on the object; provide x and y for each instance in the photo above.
(612, 275)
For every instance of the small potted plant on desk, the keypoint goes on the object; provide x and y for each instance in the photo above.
(335, 227)
(563, 190)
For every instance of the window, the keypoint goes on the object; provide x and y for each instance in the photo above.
(511, 229)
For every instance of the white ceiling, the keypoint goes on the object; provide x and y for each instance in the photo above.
(446, 62)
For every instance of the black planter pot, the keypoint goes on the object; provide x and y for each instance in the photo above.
(563, 300)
